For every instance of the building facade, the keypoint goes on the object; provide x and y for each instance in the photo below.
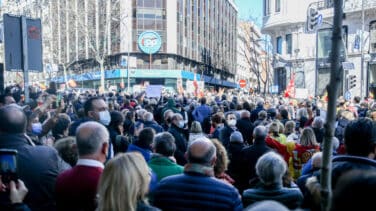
(197, 37)
(306, 54)
(249, 53)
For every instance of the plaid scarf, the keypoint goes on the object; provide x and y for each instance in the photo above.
(198, 168)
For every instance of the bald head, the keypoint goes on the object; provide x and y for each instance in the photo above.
(13, 120)
(90, 137)
(317, 160)
(245, 114)
(201, 151)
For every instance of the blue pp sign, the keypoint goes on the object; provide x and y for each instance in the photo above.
(149, 42)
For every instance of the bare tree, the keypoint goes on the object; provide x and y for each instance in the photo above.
(252, 57)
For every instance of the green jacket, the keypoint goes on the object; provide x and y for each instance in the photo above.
(164, 167)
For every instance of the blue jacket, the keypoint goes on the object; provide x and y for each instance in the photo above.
(194, 191)
(201, 112)
(145, 152)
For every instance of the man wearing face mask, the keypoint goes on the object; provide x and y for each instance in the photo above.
(95, 109)
(228, 129)
(179, 133)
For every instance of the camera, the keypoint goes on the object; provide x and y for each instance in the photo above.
(8, 165)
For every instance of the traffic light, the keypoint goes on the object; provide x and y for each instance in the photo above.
(312, 19)
(351, 81)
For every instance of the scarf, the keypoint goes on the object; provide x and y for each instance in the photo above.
(198, 168)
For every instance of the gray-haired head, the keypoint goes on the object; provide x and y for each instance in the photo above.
(335, 143)
(164, 144)
(270, 168)
(201, 151)
(148, 116)
(266, 205)
(260, 132)
(318, 122)
(245, 114)
(317, 160)
(236, 137)
(90, 137)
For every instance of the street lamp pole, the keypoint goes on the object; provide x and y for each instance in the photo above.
(362, 54)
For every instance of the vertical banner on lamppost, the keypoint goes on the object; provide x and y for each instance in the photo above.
(12, 43)
(34, 42)
(23, 46)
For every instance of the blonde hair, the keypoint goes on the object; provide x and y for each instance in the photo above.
(196, 127)
(222, 159)
(125, 180)
(308, 137)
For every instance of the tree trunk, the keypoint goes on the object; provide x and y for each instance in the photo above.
(67, 32)
(86, 31)
(101, 63)
(336, 76)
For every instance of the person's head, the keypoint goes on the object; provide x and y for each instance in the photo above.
(266, 205)
(222, 161)
(61, 126)
(236, 137)
(270, 168)
(284, 113)
(196, 127)
(145, 138)
(335, 144)
(203, 100)
(318, 122)
(357, 99)
(6, 100)
(130, 115)
(360, 138)
(216, 119)
(167, 115)
(117, 120)
(164, 144)
(148, 116)
(274, 128)
(290, 127)
(353, 191)
(231, 119)
(317, 160)
(262, 114)
(140, 114)
(97, 109)
(92, 141)
(201, 151)
(13, 120)
(260, 132)
(177, 120)
(128, 171)
(66, 147)
(308, 137)
(245, 114)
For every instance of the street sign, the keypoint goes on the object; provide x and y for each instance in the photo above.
(348, 95)
(242, 83)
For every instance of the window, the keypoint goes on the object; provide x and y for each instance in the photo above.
(266, 7)
(372, 32)
(277, 5)
(279, 45)
(324, 42)
(288, 44)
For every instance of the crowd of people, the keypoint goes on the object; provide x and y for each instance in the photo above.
(220, 151)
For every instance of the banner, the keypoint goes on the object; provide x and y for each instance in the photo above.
(290, 90)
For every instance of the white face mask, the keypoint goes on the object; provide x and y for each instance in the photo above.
(181, 124)
(231, 123)
(105, 117)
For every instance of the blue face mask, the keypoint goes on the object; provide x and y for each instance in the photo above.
(36, 128)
